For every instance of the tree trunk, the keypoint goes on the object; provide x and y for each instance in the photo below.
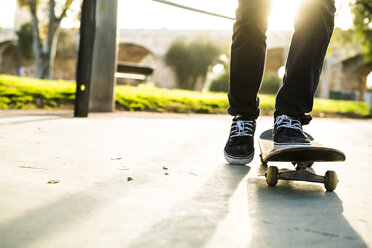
(45, 53)
(36, 42)
(45, 68)
(53, 54)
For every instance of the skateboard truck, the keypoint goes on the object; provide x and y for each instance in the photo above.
(301, 173)
(302, 158)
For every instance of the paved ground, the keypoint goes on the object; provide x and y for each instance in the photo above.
(182, 194)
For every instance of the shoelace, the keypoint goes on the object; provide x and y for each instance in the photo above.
(242, 128)
(286, 121)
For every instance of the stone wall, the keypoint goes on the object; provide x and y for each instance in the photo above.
(347, 75)
(135, 45)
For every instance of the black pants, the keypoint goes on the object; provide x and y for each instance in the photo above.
(313, 30)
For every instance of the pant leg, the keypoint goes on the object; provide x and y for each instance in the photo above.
(313, 30)
(248, 53)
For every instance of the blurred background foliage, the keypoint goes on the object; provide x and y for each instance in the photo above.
(191, 61)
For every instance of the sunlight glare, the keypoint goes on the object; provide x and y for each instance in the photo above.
(344, 15)
(217, 69)
(162, 16)
(283, 14)
(369, 81)
(7, 13)
(281, 72)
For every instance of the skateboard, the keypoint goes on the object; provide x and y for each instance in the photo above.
(302, 158)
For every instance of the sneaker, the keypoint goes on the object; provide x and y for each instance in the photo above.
(288, 133)
(239, 148)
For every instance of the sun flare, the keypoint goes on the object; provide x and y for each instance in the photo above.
(283, 14)
(131, 14)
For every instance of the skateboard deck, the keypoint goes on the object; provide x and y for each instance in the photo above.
(302, 158)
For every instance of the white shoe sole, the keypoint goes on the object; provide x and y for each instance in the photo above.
(279, 146)
(238, 160)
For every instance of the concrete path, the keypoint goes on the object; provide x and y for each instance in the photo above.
(160, 180)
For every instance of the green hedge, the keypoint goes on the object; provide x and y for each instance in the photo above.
(27, 93)
(149, 98)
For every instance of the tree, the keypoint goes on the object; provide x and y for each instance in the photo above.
(357, 43)
(45, 33)
(191, 61)
(25, 39)
(362, 10)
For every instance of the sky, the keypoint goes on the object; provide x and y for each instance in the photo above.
(163, 16)
(7, 9)
(147, 14)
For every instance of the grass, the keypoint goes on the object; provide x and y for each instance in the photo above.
(324, 107)
(149, 98)
(27, 93)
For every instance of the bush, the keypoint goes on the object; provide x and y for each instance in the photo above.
(190, 61)
(25, 40)
(221, 84)
(270, 84)
(27, 93)
(149, 98)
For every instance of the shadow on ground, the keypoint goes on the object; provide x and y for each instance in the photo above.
(193, 222)
(11, 119)
(298, 215)
(39, 223)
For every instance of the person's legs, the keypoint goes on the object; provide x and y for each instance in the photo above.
(248, 52)
(313, 30)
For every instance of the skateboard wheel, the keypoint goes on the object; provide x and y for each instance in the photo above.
(272, 175)
(330, 182)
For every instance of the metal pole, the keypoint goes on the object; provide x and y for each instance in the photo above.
(85, 58)
(102, 98)
(193, 9)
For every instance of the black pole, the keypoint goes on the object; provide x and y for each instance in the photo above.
(85, 57)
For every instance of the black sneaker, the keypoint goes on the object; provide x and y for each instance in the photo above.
(288, 133)
(239, 148)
